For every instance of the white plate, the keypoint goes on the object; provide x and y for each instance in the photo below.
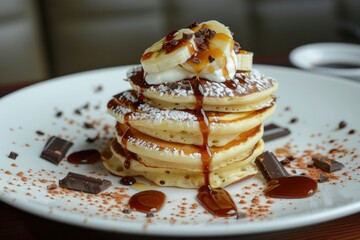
(318, 102)
(311, 56)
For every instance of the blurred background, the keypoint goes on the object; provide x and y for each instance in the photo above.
(42, 39)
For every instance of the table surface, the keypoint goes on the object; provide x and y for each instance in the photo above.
(16, 224)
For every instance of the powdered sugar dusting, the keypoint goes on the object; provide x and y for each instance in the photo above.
(246, 83)
(146, 111)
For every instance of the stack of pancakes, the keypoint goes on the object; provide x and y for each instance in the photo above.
(160, 131)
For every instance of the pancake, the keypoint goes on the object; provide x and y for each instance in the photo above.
(248, 90)
(240, 169)
(183, 126)
(187, 156)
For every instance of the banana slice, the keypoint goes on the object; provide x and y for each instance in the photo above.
(214, 25)
(157, 58)
(244, 60)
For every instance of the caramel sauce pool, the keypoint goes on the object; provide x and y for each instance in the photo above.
(147, 201)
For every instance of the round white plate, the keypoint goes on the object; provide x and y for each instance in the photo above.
(319, 103)
(311, 56)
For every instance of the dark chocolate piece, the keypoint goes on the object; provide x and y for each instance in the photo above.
(327, 164)
(351, 132)
(88, 125)
(58, 114)
(55, 149)
(270, 167)
(84, 183)
(77, 111)
(126, 211)
(149, 215)
(294, 120)
(273, 131)
(194, 24)
(13, 155)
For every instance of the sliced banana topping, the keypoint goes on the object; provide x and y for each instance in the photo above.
(244, 60)
(203, 50)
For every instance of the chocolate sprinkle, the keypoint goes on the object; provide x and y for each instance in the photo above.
(149, 215)
(352, 131)
(13, 155)
(55, 149)
(327, 164)
(88, 125)
(58, 114)
(126, 211)
(78, 182)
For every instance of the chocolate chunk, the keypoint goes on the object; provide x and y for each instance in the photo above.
(187, 36)
(84, 183)
(342, 124)
(149, 215)
(198, 40)
(86, 106)
(327, 164)
(203, 30)
(211, 58)
(323, 178)
(194, 24)
(270, 167)
(210, 34)
(13, 155)
(55, 149)
(273, 131)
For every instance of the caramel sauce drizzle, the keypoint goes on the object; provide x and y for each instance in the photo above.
(216, 200)
(128, 133)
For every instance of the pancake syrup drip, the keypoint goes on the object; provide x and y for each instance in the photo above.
(127, 134)
(216, 200)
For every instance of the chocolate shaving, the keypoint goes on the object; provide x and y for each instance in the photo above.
(211, 59)
(78, 182)
(13, 155)
(55, 149)
(77, 111)
(327, 164)
(199, 40)
(194, 24)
